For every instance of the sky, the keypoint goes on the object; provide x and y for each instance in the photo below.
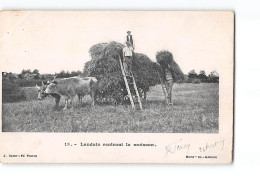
(51, 41)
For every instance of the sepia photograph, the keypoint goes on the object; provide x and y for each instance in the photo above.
(105, 75)
(125, 72)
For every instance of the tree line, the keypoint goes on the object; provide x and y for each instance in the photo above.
(27, 74)
(194, 77)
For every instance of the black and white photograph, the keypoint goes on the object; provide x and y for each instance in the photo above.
(119, 72)
(110, 76)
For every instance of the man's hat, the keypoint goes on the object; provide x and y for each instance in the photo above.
(128, 32)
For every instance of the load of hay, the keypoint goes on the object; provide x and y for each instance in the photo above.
(165, 59)
(105, 66)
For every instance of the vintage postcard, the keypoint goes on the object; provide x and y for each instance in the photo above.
(116, 86)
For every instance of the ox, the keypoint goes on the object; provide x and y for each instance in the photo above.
(70, 87)
(41, 94)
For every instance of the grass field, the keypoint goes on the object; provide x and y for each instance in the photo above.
(195, 110)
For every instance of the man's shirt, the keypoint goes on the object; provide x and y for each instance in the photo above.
(128, 51)
(168, 74)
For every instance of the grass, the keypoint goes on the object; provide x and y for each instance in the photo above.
(195, 110)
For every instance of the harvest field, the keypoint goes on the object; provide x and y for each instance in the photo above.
(195, 110)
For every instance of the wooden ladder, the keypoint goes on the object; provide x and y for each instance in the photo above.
(128, 88)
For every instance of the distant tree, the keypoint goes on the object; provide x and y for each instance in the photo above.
(75, 73)
(192, 74)
(202, 72)
(26, 71)
(214, 74)
(36, 76)
(213, 77)
(20, 76)
(42, 78)
(61, 74)
(202, 76)
(11, 75)
(67, 74)
(36, 71)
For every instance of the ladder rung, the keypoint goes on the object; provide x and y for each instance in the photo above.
(131, 80)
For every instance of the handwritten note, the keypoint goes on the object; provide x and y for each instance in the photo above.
(215, 145)
(177, 146)
(182, 147)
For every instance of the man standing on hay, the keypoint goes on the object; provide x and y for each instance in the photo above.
(129, 38)
(128, 57)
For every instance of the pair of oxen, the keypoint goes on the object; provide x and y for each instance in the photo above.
(69, 88)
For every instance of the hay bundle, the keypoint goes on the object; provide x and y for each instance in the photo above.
(104, 65)
(165, 58)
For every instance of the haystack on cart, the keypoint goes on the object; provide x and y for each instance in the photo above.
(106, 66)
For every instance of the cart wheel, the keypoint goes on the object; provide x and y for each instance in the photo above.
(142, 94)
(117, 97)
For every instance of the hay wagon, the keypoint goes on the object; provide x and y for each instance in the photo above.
(105, 66)
(118, 96)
